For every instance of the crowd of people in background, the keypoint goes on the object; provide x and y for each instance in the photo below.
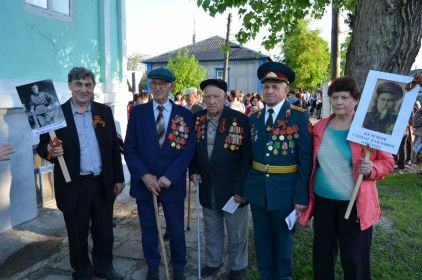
(410, 151)
(248, 103)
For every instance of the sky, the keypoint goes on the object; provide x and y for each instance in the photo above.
(158, 26)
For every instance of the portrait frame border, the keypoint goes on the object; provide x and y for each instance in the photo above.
(374, 139)
(24, 93)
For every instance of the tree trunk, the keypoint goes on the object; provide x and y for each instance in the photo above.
(335, 48)
(386, 37)
(227, 52)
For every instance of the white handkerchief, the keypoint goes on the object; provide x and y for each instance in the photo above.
(291, 219)
(231, 205)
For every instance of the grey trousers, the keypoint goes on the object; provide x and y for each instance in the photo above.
(237, 233)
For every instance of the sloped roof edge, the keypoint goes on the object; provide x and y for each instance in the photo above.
(210, 50)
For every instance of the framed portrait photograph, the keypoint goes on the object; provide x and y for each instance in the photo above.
(42, 107)
(383, 111)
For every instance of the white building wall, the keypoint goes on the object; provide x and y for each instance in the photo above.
(17, 184)
(242, 74)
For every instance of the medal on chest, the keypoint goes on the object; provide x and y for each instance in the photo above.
(179, 132)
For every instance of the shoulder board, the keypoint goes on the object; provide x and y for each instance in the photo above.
(297, 108)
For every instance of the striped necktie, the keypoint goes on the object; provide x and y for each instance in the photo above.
(159, 124)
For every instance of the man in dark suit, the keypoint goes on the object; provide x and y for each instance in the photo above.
(159, 146)
(278, 180)
(90, 148)
(222, 159)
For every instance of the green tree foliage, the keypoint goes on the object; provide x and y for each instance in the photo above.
(143, 83)
(343, 53)
(308, 55)
(279, 16)
(372, 45)
(133, 61)
(188, 71)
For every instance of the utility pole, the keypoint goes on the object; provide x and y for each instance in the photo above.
(194, 32)
(335, 48)
(227, 50)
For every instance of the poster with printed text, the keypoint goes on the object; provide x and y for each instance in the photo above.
(383, 111)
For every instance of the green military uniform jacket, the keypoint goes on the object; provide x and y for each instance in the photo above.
(282, 159)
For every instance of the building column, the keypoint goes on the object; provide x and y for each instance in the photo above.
(105, 56)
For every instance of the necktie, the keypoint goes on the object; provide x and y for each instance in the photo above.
(159, 123)
(270, 122)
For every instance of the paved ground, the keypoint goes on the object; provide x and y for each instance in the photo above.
(38, 249)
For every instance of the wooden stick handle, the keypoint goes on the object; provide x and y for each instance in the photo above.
(198, 232)
(189, 201)
(160, 237)
(62, 163)
(355, 190)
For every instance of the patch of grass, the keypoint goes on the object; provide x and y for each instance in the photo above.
(397, 240)
(395, 180)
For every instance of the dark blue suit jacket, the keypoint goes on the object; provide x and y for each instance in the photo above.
(144, 155)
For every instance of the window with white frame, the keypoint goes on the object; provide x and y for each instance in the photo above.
(219, 73)
(61, 9)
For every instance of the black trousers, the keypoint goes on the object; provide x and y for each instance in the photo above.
(93, 213)
(333, 232)
(404, 152)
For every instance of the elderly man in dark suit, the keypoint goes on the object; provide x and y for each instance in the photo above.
(278, 180)
(159, 146)
(90, 148)
(222, 159)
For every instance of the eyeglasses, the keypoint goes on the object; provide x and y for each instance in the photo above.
(158, 83)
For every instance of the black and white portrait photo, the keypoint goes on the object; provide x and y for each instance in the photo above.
(383, 111)
(42, 106)
(384, 107)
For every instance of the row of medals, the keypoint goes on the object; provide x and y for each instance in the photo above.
(234, 139)
(274, 146)
(180, 137)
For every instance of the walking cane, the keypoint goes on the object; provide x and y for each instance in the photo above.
(163, 250)
(198, 236)
(189, 199)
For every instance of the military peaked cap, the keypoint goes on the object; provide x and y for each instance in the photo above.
(390, 87)
(275, 71)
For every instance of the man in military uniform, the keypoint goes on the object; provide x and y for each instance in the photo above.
(277, 183)
(43, 106)
(384, 117)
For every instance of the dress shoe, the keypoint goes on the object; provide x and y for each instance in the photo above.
(237, 274)
(111, 275)
(153, 274)
(178, 275)
(82, 276)
(208, 271)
